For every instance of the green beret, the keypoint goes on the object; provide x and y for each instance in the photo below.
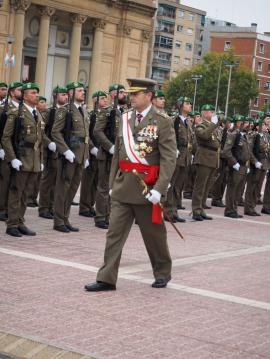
(220, 112)
(73, 85)
(260, 114)
(208, 107)
(184, 99)
(30, 86)
(99, 94)
(227, 119)
(266, 114)
(14, 85)
(3, 84)
(60, 89)
(194, 114)
(113, 87)
(237, 117)
(42, 98)
(159, 93)
(249, 119)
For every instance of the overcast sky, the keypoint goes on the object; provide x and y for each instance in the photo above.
(240, 12)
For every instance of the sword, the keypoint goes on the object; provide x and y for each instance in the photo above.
(145, 191)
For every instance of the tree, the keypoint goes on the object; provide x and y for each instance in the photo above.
(243, 83)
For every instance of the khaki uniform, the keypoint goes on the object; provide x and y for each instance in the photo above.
(48, 178)
(206, 161)
(236, 150)
(191, 171)
(30, 155)
(266, 196)
(69, 174)
(104, 162)
(129, 203)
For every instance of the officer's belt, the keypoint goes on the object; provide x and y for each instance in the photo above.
(150, 171)
(28, 145)
(79, 139)
(209, 147)
(183, 146)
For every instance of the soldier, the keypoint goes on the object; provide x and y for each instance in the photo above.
(105, 133)
(3, 92)
(206, 160)
(266, 197)
(22, 142)
(90, 174)
(11, 102)
(145, 144)
(42, 103)
(159, 101)
(237, 154)
(48, 179)
(70, 132)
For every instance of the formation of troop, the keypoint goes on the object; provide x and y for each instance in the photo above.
(130, 159)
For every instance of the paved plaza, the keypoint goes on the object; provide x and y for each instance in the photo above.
(216, 306)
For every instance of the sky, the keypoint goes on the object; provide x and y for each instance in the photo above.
(240, 12)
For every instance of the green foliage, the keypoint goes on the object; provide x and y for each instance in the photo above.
(243, 84)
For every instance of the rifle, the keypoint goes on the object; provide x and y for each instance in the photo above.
(3, 118)
(49, 125)
(256, 146)
(110, 128)
(93, 119)
(67, 131)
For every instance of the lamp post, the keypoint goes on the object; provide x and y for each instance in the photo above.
(9, 59)
(196, 78)
(218, 84)
(230, 65)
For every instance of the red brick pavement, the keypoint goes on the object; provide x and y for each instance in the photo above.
(46, 301)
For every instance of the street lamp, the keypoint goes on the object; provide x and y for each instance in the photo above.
(218, 84)
(196, 78)
(9, 59)
(230, 65)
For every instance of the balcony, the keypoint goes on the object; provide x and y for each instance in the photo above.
(166, 30)
(157, 62)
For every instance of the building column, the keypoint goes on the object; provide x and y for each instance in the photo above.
(145, 47)
(75, 47)
(125, 31)
(20, 6)
(94, 75)
(42, 52)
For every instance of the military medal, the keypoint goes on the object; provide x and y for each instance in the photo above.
(28, 130)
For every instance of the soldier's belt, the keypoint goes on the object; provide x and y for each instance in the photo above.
(151, 172)
(209, 148)
(28, 145)
(79, 139)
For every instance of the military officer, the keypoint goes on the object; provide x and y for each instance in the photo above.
(105, 132)
(266, 196)
(70, 132)
(3, 92)
(145, 144)
(22, 142)
(15, 96)
(237, 154)
(48, 178)
(206, 160)
(159, 101)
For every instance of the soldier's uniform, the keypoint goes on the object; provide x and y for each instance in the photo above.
(149, 148)
(30, 154)
(206, 161)
(266, 196)
(69, 173)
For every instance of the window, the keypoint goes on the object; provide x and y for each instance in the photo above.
(268, 67)
(267, 85)
(178, 44)
(162, 57)
(162, 41)
(166, 10)
(180, 28)
(190, 31)
(265, 101)
(188, 47)
(261, 48)
(256, 102)
(227, 45)
(181, 13)
(176, 60)
(191, 17)
(186, 62)
(165, 27)
(260, 66)
(258, 83)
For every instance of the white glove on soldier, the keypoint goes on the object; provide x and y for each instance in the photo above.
(86, 163)
(94, 151)
(42, 167)
(2, 154)
(258, 165)
(110, 192)
(153, 197)
(214, 119)
(111, 150)
(16, 164)
(177, 153)
(69, 156)
(236, 166)
(52, 146)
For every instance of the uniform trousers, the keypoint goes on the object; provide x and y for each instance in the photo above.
(154, 236)
(4, 186)
(236, 179)
(89, 186)
(202, 184)
(102, 195)
(47, 187)
(266, 196)
(254, 178)
(175, 190)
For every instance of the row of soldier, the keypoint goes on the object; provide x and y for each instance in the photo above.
(70, 145)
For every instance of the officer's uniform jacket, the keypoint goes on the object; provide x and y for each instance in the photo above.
(46, 141)
(208, 144)
(263, 154)
(183, 142)
(160, 150)
(79, 133)
(30, 138)
(241, 154)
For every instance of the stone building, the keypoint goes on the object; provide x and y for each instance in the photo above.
(94, 41)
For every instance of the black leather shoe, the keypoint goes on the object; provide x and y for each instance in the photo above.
(179, 219)
(3, 217)
(86, 214)
(46, 215)
(232, 215)
(180, 207)
(206, 207)
(32, 204)
(197, 217)
(241, 203)
(160, 283)
(187, 195)
(14, 232)
(205, 216)
(102, 225)
(71, 228)
(73, 203)
(61, 228)
(265, 211)
(26, 231)
(99, 287)
(252, 213)
(217, 204)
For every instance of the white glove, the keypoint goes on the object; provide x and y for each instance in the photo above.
(153, 197)
(2, 154)
(236, 166)
(258, 165)
(110, 192)
(248, 170)
(214, 119)
(69, 156)
(52, 146)
(177, 153)
(42, 167)
(94, 151)
(86, 163)
(16, 164)
(111, 150)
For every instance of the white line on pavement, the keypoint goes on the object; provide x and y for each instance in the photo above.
(181, 288)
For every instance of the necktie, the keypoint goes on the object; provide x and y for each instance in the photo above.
(35, 115)
(139, 117)
(81, 111)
